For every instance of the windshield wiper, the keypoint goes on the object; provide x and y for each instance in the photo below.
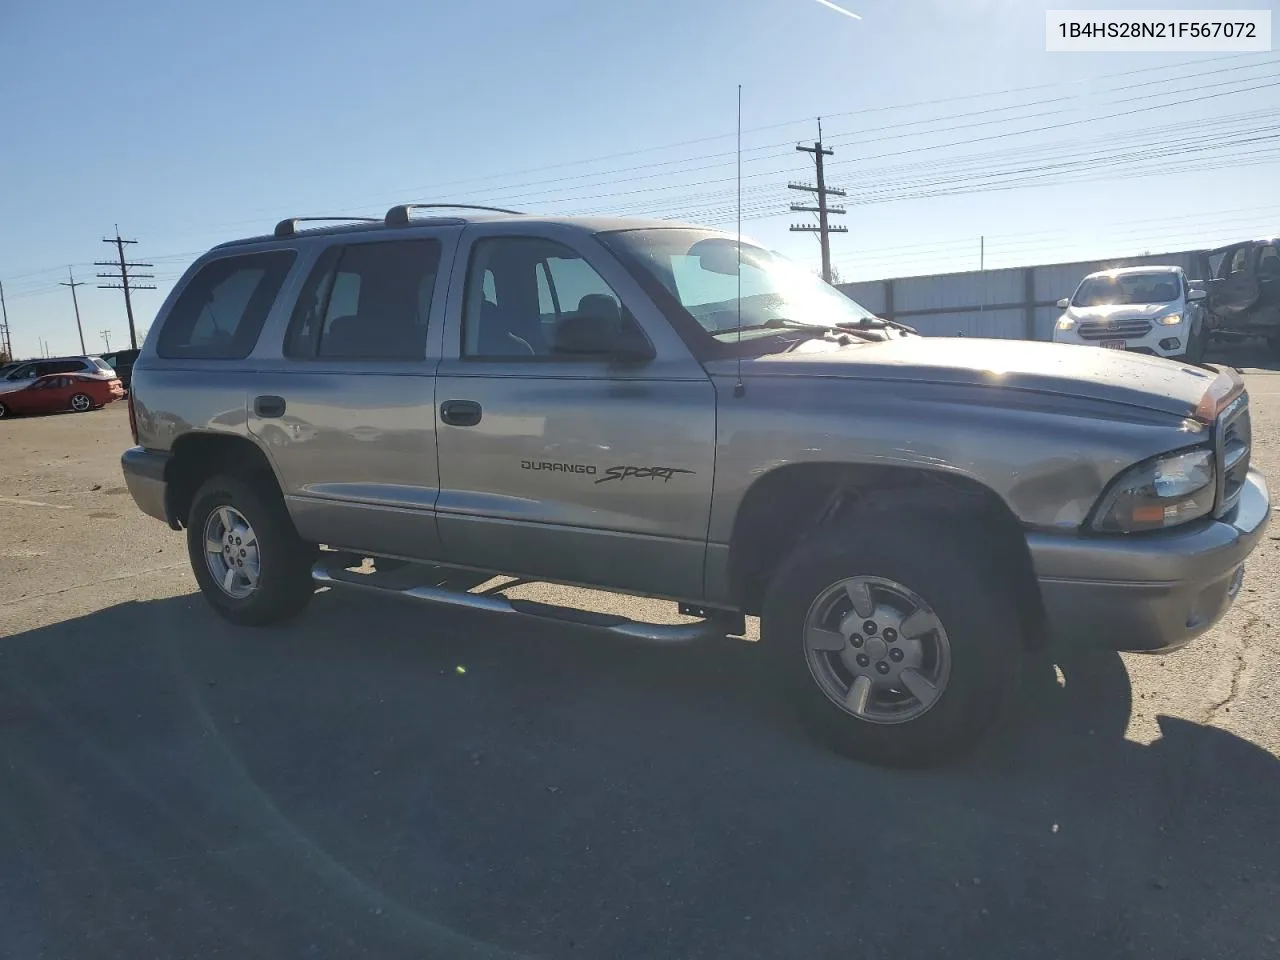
(875, 323)
(777, 323)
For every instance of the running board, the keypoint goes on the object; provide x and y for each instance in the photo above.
(396, 584)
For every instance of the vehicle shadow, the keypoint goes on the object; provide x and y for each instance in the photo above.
(1244, 355)
(392, 780)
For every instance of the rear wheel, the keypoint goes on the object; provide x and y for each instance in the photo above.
(4, 411)
(81, 402)
(897, 641)
(249, 561)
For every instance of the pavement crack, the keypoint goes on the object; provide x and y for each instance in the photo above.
(94, 583)
(1237, 671)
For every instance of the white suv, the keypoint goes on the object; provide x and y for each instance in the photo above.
(1144, 309)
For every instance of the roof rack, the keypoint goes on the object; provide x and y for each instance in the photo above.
(289, 228)
(398, 216)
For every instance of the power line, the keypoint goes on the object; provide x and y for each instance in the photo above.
(4, 317)
(824, 229)
(126, 282)
(73, 283)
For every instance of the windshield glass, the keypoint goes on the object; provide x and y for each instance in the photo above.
(700, 269)
(1126, 288)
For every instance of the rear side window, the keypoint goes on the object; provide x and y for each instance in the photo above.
(64, 366)
(367, 301)
(221, 312)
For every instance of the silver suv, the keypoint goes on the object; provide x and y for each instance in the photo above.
(654, 410)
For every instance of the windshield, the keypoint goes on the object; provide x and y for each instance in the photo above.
(1108, 289)
(700, 269)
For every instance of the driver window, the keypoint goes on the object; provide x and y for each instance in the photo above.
(520, 288)
(1240, 260)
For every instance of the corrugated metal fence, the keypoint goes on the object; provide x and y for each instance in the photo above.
(1018, 303)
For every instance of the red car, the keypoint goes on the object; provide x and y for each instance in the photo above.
(61, 391)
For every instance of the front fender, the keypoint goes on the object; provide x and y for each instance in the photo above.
(1048, 458)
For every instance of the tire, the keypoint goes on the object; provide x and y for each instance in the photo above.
(81, 402)
(979, 635)
(5, 412)
(272, 578)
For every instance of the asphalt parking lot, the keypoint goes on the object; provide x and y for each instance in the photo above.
(386, 780)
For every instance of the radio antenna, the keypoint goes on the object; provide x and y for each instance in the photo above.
(739, 388)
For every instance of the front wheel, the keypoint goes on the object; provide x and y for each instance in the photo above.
(245, 554)
(1197, 344)
(895, 639)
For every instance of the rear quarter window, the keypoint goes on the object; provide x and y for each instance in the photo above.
(220, 313)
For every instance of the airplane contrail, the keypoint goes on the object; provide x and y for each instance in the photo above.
(839, 9)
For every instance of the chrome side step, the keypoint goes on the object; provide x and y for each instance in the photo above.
(396, 583)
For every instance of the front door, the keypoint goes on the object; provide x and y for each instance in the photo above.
(565, 467)
(1235, 288)
(347, 412)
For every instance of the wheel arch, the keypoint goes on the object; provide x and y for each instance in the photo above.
(792, 502)
(197, 456)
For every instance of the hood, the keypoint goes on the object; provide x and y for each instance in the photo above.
(1122, 311)
(8, 386)
(1113, 376)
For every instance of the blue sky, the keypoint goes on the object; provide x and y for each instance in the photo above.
(188, 124)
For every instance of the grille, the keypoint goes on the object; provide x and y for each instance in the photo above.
(1234, 447)
(1121, 329)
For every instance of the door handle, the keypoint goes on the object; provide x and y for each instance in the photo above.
(460, 413)
(268, 407)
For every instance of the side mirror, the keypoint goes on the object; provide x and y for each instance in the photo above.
(1064, 303)
(604, 337)
(1194, 295)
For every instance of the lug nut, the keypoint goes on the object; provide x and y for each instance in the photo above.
(890, 634)
(856, 640)
(863, 659)
(869, 628)
(882, 667)
(242, 553)
(895, 655)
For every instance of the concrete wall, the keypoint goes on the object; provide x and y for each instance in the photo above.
(1017, 303)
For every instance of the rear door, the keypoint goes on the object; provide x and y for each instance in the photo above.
(562, 467)
(55, 392)
(346, 409)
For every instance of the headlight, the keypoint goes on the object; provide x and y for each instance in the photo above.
(1163, 492)
(1171, 320)
(1065, 322)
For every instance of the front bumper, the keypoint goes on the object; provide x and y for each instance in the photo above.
(1153, 591)
(1147, 343)
(144, 475)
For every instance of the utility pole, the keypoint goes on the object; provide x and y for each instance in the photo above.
(106, 338)
(8, 341)
(126, 280)
(824, 229)
(72, 283)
